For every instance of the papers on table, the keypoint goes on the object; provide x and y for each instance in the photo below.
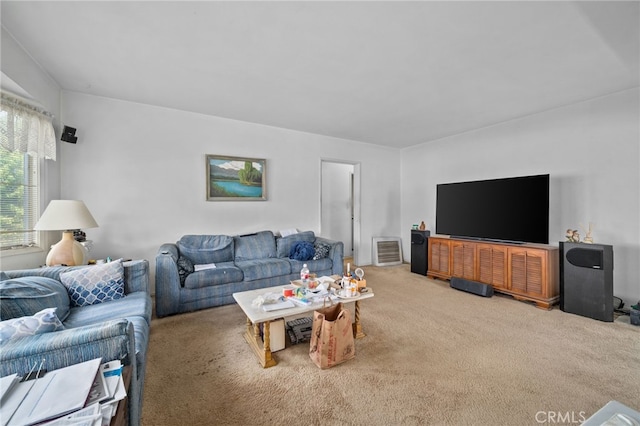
(81, 394)
(277, 306)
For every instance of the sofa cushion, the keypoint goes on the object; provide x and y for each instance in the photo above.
(203, 249)
(95, 284)
(302, 250)
(223, 273)
(25, 296)
(313, 265)
(44, 321)
(264, 268)
(284, 243)
(134, 305)
(261, 245)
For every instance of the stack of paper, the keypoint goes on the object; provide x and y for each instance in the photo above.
(81, 394)
(268, 307)
(57, 393)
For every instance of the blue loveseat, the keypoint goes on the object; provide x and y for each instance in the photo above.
(242, 262)
(113, 330)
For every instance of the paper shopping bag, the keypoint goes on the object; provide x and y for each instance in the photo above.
(331, 336)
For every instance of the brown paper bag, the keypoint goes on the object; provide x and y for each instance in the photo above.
(331, 336)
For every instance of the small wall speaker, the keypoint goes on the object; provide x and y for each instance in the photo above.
(68, 135)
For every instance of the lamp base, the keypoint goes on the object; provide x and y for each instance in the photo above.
(67, 252)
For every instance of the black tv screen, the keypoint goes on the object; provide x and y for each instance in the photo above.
(512, 209)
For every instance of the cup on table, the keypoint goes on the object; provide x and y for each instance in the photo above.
(287, 291)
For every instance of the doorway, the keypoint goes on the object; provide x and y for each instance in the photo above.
(340, 204)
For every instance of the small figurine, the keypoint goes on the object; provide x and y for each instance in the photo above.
(573, 236)
(422, 226)
(588, 239)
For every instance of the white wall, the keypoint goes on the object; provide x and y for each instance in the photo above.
(141, 171)
(19, 67)
(590, 149)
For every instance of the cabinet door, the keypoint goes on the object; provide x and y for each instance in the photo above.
(527, 271)
(492, 265)
(439, 256)
(464, 259)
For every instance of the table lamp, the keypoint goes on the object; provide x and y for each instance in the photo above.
(66, 216)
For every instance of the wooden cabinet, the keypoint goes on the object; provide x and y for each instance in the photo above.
(533, 273)
(492, 265)
(439, 253)
(463, 259)
(525, 271)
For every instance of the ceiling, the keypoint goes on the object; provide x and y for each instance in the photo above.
(389, 73)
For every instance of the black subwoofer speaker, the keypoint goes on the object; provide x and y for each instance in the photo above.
(586, 280)
(469, 286)
(419, 263)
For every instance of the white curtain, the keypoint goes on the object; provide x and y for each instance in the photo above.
(27, 129)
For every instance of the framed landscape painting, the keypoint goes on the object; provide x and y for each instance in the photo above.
(235, 178)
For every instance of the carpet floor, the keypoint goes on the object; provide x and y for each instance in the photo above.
(432, 356)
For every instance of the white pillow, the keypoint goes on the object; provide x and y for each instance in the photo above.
(287, 232)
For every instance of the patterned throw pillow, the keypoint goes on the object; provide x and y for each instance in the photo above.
(322, 250)
(185, 267)
(44, 321)
(95, 284)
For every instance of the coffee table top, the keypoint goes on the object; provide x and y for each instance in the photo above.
(257, 315)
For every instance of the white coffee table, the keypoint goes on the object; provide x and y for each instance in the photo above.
(256, 316)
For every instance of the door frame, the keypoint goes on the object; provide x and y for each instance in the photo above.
(356, 203)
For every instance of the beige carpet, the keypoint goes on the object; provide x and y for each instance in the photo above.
(433, 355)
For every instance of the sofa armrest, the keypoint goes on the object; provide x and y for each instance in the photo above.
(336, 254)
(109, 340)
(167, 280)
(136, 276)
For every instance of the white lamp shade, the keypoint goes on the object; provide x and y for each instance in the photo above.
(61, 215)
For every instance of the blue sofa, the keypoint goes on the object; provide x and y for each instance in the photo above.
(113, 330)
(243, 262)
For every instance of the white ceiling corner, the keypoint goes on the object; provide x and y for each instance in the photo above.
(391, 73)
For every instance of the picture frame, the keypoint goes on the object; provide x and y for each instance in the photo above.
(235, 178)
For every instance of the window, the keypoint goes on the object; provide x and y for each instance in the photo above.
(26, 139)
(18, 199)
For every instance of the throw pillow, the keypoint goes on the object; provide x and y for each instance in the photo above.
(95, 284)
(322, 250)
(185, 267)
(283, 244)
(24, 296)
(44, 321)
(302, 250)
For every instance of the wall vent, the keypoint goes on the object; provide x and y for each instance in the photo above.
(387, 251)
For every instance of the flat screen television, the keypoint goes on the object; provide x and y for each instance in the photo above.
(512, 209)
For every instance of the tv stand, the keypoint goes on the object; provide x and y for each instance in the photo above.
(527, 272)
